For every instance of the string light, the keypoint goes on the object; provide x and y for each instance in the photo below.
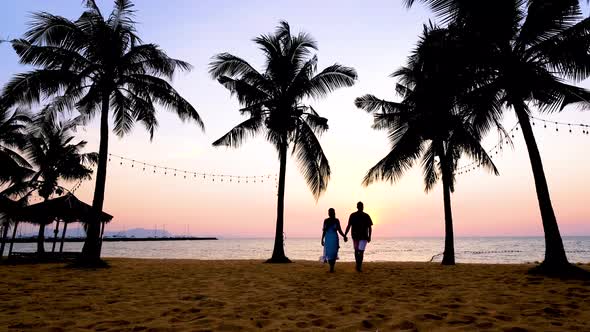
(498, 147)
(571, 126)
(214, 177)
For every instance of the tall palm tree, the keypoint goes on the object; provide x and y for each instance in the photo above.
(273, 100)
(430, 123)
(13, 139)
(98, 65)
(529, 48)
(56, 158)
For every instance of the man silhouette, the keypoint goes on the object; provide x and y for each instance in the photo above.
(361, 223)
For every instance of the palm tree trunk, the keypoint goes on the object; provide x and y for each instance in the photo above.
(278, 253)
(91, 249)
(4, 235)
(554, 251)
(449, 253)
(41, 235)
(41, 239)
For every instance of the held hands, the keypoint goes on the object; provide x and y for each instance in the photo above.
(322, 242)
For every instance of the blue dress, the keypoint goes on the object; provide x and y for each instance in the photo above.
(331, 244)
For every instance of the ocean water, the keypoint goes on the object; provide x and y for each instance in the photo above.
(468, 249)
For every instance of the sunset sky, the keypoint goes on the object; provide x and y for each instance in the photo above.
(375, 38)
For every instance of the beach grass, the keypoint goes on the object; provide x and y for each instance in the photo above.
(173, 295)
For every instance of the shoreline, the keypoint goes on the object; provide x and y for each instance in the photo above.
(242, 295)
(114, 239)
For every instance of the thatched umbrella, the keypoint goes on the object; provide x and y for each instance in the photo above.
(66, 208)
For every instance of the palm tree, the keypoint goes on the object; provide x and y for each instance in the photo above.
(14, 167)
(429, 124)
(13, 139)
(56, 158)
(529, 49)
(98, 65)
(273, 100)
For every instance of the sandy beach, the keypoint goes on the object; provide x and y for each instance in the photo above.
(173, 295)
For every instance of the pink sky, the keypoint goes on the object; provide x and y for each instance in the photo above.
(375, 40)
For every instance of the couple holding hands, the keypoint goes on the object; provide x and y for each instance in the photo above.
(359, 222)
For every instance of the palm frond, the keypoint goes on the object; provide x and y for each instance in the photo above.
(330, 79)
(48, 57)
(225, 64)
(566, 52)
(164, 94)
(247, 93)
(122, 15)
(28, 88)
(235, 137)
(150, 59)
(48, 29)
(429, 167)
(546, 18)
(407, 146)
(318, 124)
(122, 113)
(311, 159)
(372, 104)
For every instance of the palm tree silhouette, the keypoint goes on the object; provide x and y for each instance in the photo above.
(429, 124)
(528, 49)
(14, 167)
(13, 139)
(55, 157)
(98, 65)
(273, 100)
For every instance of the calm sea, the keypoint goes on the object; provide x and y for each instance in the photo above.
(468, 249)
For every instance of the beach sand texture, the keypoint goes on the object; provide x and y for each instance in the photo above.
(173, 295)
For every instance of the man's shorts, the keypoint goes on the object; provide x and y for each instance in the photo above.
(359, 244)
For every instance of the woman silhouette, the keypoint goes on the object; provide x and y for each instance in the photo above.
(330, 239)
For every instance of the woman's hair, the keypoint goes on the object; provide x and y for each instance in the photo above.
(331, 212)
